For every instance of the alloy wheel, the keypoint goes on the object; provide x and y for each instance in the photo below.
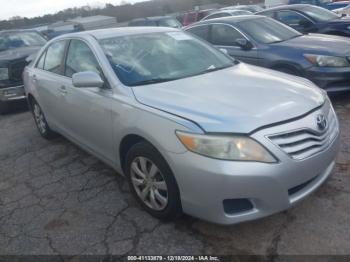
(39, 119)
(149, 183)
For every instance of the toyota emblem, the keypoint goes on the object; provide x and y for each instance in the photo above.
(321, 122)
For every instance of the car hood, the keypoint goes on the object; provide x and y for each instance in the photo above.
(319, 44)
(238, 99)
(17, 53)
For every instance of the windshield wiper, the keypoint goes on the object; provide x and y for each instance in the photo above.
(153, 81)
(213, 69)
(162, 80)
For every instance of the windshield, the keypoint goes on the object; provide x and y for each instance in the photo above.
(160, 57)
(266, 30)
(320, 14)
(170, 22)
(11, 40)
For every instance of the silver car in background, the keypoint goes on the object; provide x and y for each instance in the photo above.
(191, 129)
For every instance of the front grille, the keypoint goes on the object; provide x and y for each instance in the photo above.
(16, 70)
(303, 143)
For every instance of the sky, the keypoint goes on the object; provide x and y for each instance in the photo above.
(31, 8)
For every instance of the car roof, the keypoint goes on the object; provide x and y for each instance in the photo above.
(17, 31)
(119, 31)
(229, 19)
(153, 18)
(298, 7)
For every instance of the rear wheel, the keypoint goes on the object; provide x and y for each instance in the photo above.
(152, 182)
(41, 123)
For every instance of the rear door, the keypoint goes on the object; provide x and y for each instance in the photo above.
(225, 37)
(47, 79)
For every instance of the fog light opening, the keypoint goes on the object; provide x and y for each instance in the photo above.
(234, 206)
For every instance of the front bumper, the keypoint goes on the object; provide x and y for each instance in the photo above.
(205, 183)
(14, 93)
(330, 79)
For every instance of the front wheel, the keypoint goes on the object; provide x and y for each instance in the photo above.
(41, 123)
(152, 182)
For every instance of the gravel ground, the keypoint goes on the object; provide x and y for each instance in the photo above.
(57, 199)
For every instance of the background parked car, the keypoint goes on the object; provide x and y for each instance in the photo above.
(225, 13)
(345, 11)
(323, 3)
(265, 42)
(309, 19)
(15, 47)
(61, 28)
(336, 5)
(250, 8)
(194, 16)
(166, 21)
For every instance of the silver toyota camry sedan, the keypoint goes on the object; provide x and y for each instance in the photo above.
(191, 129)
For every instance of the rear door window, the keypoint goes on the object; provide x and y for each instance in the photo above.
(200, 31)
(224, 35)
(291, 18)
(54, 57)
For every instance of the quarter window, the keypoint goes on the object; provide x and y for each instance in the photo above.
(80, 58)
(54, 55)
(224, 35)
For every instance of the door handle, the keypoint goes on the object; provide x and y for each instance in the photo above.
(34, 78)
(63, 90)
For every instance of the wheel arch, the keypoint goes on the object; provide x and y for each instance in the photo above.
(125, 145)
(30, 100)
(287, 65)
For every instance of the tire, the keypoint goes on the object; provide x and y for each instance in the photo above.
(4, 108)
(40, 121)
(161, 182)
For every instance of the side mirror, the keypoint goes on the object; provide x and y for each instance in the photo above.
(87, 79)
(244, 43)
(223, 50)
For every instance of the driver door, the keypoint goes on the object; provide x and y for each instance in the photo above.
(88, 110)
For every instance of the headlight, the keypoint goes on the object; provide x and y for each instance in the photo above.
(239, 148)
(4, 74)
(327, 61)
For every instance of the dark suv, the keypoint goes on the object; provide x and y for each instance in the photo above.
(15, 48)
(262, 41)
(309, 19)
